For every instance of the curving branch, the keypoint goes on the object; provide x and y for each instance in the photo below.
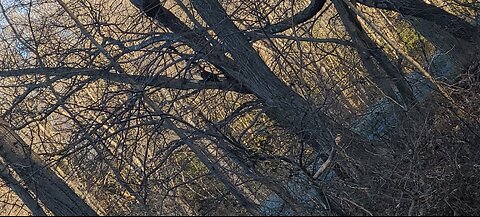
(110, 75)
(310, 11)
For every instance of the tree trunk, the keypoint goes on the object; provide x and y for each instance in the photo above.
(367, 49)
(52, 191)
(460, 52)
(281, 103)
(21, 191)
(419, 9)
(247, 68)
(449, 33)
(289, 110)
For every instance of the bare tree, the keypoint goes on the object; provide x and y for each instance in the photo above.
(215, 107)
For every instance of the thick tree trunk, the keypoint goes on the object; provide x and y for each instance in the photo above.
(281, 103)
(451, 34)
(52, 191)
(21, 191)
(288, 109)
(247, 68)
(460, 52)
(419, 9)
(367, 49)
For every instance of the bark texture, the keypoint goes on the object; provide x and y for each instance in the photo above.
(50, 189)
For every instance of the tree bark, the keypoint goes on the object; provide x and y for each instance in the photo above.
(419, 9)
(460, 52)
(52, 191)
(357, 157)
(367, 49)
(21, 191)
(281, 103)
(452, 35)
(247, 68)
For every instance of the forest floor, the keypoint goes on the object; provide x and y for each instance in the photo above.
(441, 173)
